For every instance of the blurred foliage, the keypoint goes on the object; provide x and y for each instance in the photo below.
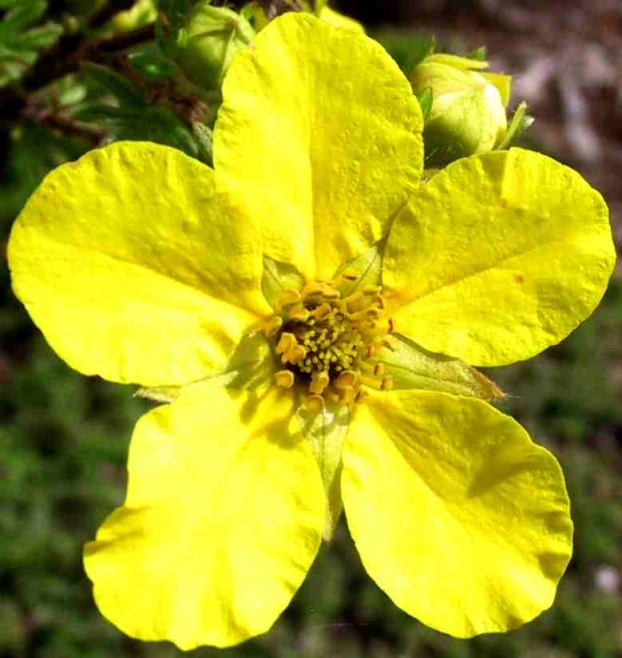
(21, 38)
(63, 437)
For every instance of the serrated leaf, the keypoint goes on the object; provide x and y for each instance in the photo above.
(326, 432)
(410, 366)
(151, 62)
(277, 277)
(125, 91)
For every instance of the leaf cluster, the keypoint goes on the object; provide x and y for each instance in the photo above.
(22, 36)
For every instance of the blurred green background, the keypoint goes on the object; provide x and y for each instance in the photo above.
(63, 437)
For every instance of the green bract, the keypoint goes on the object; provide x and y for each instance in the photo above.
(468, 110)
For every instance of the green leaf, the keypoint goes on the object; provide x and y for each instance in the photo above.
(125, 91)
(413, 367)
(326, 432)
(408, 49)
(519, 123)
(278, 277)
(149, 61)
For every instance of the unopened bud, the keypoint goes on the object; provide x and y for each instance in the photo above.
(206, 45)
(468, 107)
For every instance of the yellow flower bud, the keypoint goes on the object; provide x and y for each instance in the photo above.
(208, 42)
(468, 107)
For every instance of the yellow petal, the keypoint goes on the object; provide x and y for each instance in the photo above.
(323, 132)
(138, 265)
(223, 518)
(457, 515)
(497, 257)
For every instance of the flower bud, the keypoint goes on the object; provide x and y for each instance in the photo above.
(209, 40)
(468, 107)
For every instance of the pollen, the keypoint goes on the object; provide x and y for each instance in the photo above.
(328, 340)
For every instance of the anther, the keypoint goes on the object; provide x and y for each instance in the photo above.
(319, 382)
(312, 288)
(272, 326)
(379, 369)
(321, 311)
(369, 289)
(294, 354)
(299, 313)
(387, 383)
(346, 379)
(314, 402)
(348, 395)
(286, 341)
(287, 297)
(349, 275)
(284, 378)
(389, 342)
(360, 396)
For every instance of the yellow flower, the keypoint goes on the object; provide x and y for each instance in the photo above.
(297, 301)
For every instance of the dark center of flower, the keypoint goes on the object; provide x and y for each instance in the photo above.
(327, 342)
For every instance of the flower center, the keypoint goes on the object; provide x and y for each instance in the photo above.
(327, 342)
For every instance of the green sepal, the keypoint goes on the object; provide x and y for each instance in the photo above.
(519, 123)
(205, 141)
(278, 277)
(164, 394)
(367, 265)
(413, 367)
(425, 99)
(252, 365)
(326, 432)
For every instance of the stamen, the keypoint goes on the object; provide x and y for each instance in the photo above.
(299, 313)
(273, 325)
(288, 297)
(379, 369)
(319, 382)
(294, 354)
(347, 378)
(284, 378)
(314, 403)
(327, 344)
(387, 383)
(286, 341)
